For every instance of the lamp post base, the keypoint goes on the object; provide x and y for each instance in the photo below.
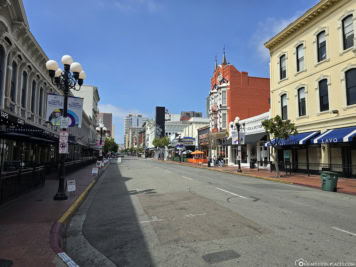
(239, 170)
(60, 196)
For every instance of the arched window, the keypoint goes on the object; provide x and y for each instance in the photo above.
(301, 102)
(284, 109)
(2, 71)
(33, 96)
(321, 46)
(282, 67)
(324, 95)
(351, 86)
(40, 103)
(24, 89)
(13, 82)
(348, 32)
(300, 57)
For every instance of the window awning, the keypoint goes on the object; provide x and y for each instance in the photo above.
(254, 138)
(298, 139)
(341, 135)
(228, 142)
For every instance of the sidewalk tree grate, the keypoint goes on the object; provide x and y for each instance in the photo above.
(220, 256)
(5, 263)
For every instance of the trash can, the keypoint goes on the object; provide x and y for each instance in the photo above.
(329, 181)
(252, 164)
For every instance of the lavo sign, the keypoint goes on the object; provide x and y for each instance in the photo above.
(329, 140)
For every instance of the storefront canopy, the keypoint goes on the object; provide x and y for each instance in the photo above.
(197, 152)
(254, 138)
(340, 135)
(228, 142)
(298, 139)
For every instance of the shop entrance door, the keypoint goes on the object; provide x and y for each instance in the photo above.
(346, 161)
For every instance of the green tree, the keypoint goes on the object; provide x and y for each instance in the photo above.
(110, 145)
(161, 142)
(277, 130)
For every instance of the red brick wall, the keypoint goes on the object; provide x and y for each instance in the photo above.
(247, 96)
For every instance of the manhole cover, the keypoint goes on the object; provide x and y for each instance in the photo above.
(5, 263)
(220, 256)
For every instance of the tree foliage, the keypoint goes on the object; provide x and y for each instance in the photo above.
(277, 130)
(110, 145)
(161, 142)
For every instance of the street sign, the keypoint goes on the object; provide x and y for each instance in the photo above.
(63, 142)
(65, 122)
(71, 185)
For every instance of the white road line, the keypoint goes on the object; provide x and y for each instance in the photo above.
(156, 167)
(231, 193)
(167, 171)
(343, 231)
(187, 178)
(193, 215)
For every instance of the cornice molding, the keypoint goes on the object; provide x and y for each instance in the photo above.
(305, 19)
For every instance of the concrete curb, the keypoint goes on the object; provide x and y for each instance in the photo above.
(254, 176)
(59, 226)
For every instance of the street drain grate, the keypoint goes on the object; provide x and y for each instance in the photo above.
(5, 263)
(220, 256)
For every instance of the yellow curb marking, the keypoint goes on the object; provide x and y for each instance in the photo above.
(66, 216)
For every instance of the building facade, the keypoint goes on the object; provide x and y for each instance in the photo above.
(234, 94)
(106, 118)
(313, 84)
(132, 120)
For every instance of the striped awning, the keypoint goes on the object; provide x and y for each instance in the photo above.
(298, 139)
(341, 135)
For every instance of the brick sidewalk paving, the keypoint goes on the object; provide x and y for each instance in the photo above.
(344, 185)
(26, 223)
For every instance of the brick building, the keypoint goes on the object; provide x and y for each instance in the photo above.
(234, 94)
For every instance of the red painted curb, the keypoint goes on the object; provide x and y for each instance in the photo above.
(55, 239)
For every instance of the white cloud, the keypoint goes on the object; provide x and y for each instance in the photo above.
(118, 118)
(117, 112)
(134, 5)
(269, 28)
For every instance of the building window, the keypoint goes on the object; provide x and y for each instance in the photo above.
(33, 96)
(282, 67)
(324, 95)
(300, 57)
(224, 98)
(321, 46)
(348, 32)
(40, 103)
(351, 86)
(301, 102)
(224, 120)
(13, 82)
(2, 72)
(24, 89)
(284, 107)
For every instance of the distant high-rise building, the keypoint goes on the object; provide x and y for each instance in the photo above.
(160, 121)
(187, 115)
(113, 131)
(106, 119)
(132, 121)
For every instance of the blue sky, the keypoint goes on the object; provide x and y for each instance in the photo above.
(147, 53)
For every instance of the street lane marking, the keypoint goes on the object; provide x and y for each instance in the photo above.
(154, 219)
(167, 171)
(187, 178)
(193, 215)
(343, 231)
(231, 193)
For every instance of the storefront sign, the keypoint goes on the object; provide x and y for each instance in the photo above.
(71, 185)
(7, 116)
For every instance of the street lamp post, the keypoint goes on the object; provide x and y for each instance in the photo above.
(65, 80)
(101, 129)
(238, 125)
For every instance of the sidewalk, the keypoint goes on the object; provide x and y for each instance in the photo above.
(26, 223)
(344, 185)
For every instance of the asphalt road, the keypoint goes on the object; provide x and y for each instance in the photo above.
(149, 213)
